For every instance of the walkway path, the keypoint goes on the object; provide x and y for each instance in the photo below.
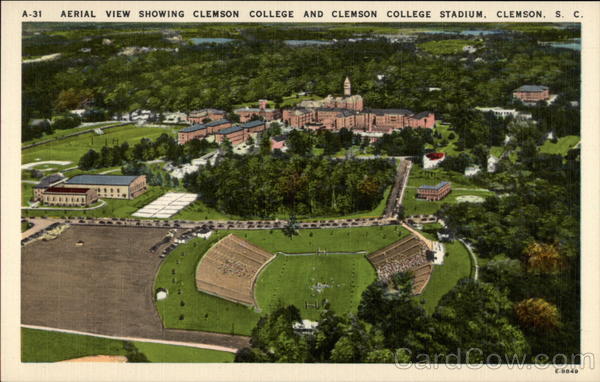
(137, 339)
(397, 194)
(462, 189)
(102, 204)
(473, 257)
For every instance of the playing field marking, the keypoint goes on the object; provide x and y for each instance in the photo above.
(27, 166)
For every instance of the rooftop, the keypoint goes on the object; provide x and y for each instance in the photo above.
(230, 130)
(531, 88)
(279, 138)
(217, 122)
(49, 180)
(254, 109)
(391, 111)
(189, 129)
(434, 156)
(250, 124)
(212, 111)
(105, 180)
(436, 187)
(66, 190)
(422, 114)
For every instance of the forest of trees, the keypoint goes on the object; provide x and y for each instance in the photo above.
(221, 76)
(473, 321)
(265, 185)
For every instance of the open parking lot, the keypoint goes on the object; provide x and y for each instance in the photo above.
(100, 280)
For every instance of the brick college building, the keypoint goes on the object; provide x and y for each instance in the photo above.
(199, 131)
(241, 133)
(247, 113)
(433, 193)
(532, 93)
(199, 116)
(335, 113)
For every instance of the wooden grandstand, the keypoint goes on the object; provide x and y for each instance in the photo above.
(229, 269)
(406, 255)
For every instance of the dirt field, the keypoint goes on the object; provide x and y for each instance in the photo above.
(103, 286)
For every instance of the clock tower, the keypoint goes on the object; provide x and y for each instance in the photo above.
(347, 87)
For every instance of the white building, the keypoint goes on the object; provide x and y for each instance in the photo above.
(472, 170)
(504, 113)
(78, 112)
(433, 160)
(305, 327)
(469, 49)
(174, 117)
(491, 163)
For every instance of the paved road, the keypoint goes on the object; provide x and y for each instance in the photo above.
(227, 224)
(38, 225)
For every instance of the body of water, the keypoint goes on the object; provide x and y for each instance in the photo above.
(210, 40)
(472, 32)
(307, 42)
(574, 44)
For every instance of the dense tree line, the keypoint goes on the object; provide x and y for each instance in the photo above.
(267, 185)
(153, 177)
(164, 146)
(406, 142)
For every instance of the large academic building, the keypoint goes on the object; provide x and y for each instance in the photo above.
(69, 196)
(532, 93)
(434, 193)
(335, 113)
(247, 113)
(199, 131)
(111, 186)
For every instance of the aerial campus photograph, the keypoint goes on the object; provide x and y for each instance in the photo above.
(300, 193)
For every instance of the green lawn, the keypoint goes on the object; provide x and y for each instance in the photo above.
(171, 353)
(45, 346)
(414, 206)
(200, 211)
(308, 240)
(26, 193)
(419, 177)
(61, 133)
(186, 307)
(119, 208)
(561, 147)
(457, 265)
(25, 226)
(449, 148)
(295, 280)
(71, 149)
(444, 46)
(209, 313)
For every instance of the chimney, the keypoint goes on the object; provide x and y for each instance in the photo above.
(262, 104)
